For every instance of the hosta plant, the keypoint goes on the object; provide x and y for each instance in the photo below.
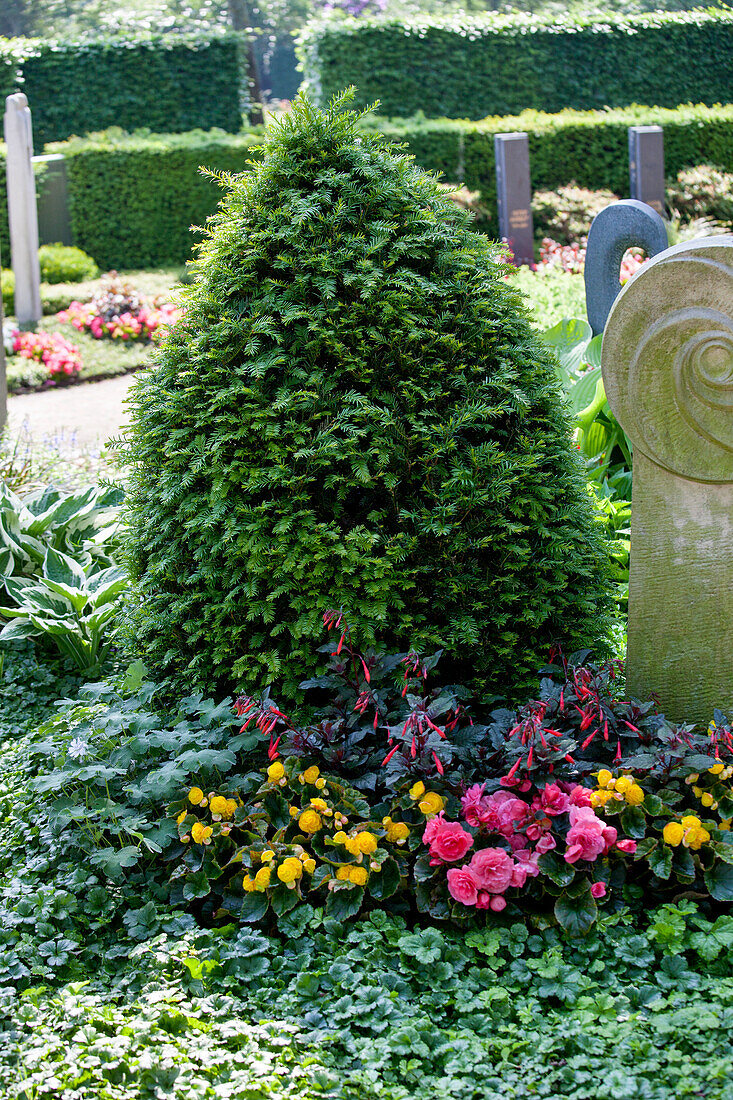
(67, 605)
(82, 525)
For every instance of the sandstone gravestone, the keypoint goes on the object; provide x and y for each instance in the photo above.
(514, 194)
(623, 225)
(22, 215)
(646, 165)
(668, 371)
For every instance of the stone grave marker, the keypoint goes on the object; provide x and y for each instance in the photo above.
(514, 194)
(622, 225)
(3, 371)
(22, 214)
(667, 364)
(646, 165)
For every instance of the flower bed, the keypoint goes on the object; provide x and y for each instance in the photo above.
(118, 312)
(60, 357)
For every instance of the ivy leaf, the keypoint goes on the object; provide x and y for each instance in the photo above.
(576, 915)
(660, 861)
(561, 873)
(719, 881)
(345, 902)
(254, 907)
(385, 882)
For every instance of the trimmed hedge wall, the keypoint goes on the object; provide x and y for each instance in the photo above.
(473, 66)
(589, 147)
(134, 197)
(162, 82)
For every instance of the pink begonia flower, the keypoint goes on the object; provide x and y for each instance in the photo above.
(492, 869)
(448, 843)
(484, 900)
(580, 796)
(462, 886)
(537, 828)
(432, 827)
(470, 803)
(545, 844)
(626, 846)
(588, 837)
(598, 890)
(554, 801)
(497, 903)
(522, 785)
(502, 813)
(527, 861)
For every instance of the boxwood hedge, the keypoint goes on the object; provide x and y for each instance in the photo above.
(472, 66)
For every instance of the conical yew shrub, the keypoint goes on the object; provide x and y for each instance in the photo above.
(354, 413)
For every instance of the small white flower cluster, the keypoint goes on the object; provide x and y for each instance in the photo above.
(10, 331)
(78, 749)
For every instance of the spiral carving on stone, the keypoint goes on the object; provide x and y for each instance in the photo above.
(668, 359)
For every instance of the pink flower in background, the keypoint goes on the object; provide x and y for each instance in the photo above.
(554, 801)
(492, 868)
(61, 358)
(588, 837)
(598, 890)
(462, 886)
(628, 847)
(502, 812)
(448, 842)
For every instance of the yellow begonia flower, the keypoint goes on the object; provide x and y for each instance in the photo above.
(262, 878)
(340, 837)
(201, 833)
(311, 774)
(359, 876)
(431, 803)
(634, 795)
(182, 816)
(351, 844)
(366, 843)
(695, 838)
(320, 783)
(623, 783)
(195, 795)
(219, 804)
(275, 772)
(309, 865)
(417, 790)
(717, 767)
(248, 884)
(707, 799)
(310, 822)
(672, 833)
(342, 874)
(725, 825)
(691, 822)
(601, 797)
(396, 831)
(294, 811)
(290, 869)
(319, 804)
(697, 791)
(267, 855)
(604, 777)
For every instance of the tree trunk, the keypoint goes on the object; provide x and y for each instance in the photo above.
(240, 17)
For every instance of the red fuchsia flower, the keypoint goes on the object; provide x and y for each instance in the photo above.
(448, 841)
(462, 886)
(492, 868)
(628, 847)
(588, 837)
(554, 801)
(598, 890)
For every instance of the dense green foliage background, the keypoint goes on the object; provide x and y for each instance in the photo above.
(472, 66)
(158, 184)
(157, 81)
(354, 392)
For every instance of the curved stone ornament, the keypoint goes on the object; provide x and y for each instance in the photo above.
(622, 225)
(667, 365)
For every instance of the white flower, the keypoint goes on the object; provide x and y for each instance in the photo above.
(78, 749)
(10, 331)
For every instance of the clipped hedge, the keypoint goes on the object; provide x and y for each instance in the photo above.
(589, 147)
(163, 82)
(134, 197)
(472, 66)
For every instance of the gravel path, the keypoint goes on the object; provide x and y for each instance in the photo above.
(89, 413)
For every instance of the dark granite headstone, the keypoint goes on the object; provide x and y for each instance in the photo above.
(514, 194)
(622, 225)
(646, 165)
